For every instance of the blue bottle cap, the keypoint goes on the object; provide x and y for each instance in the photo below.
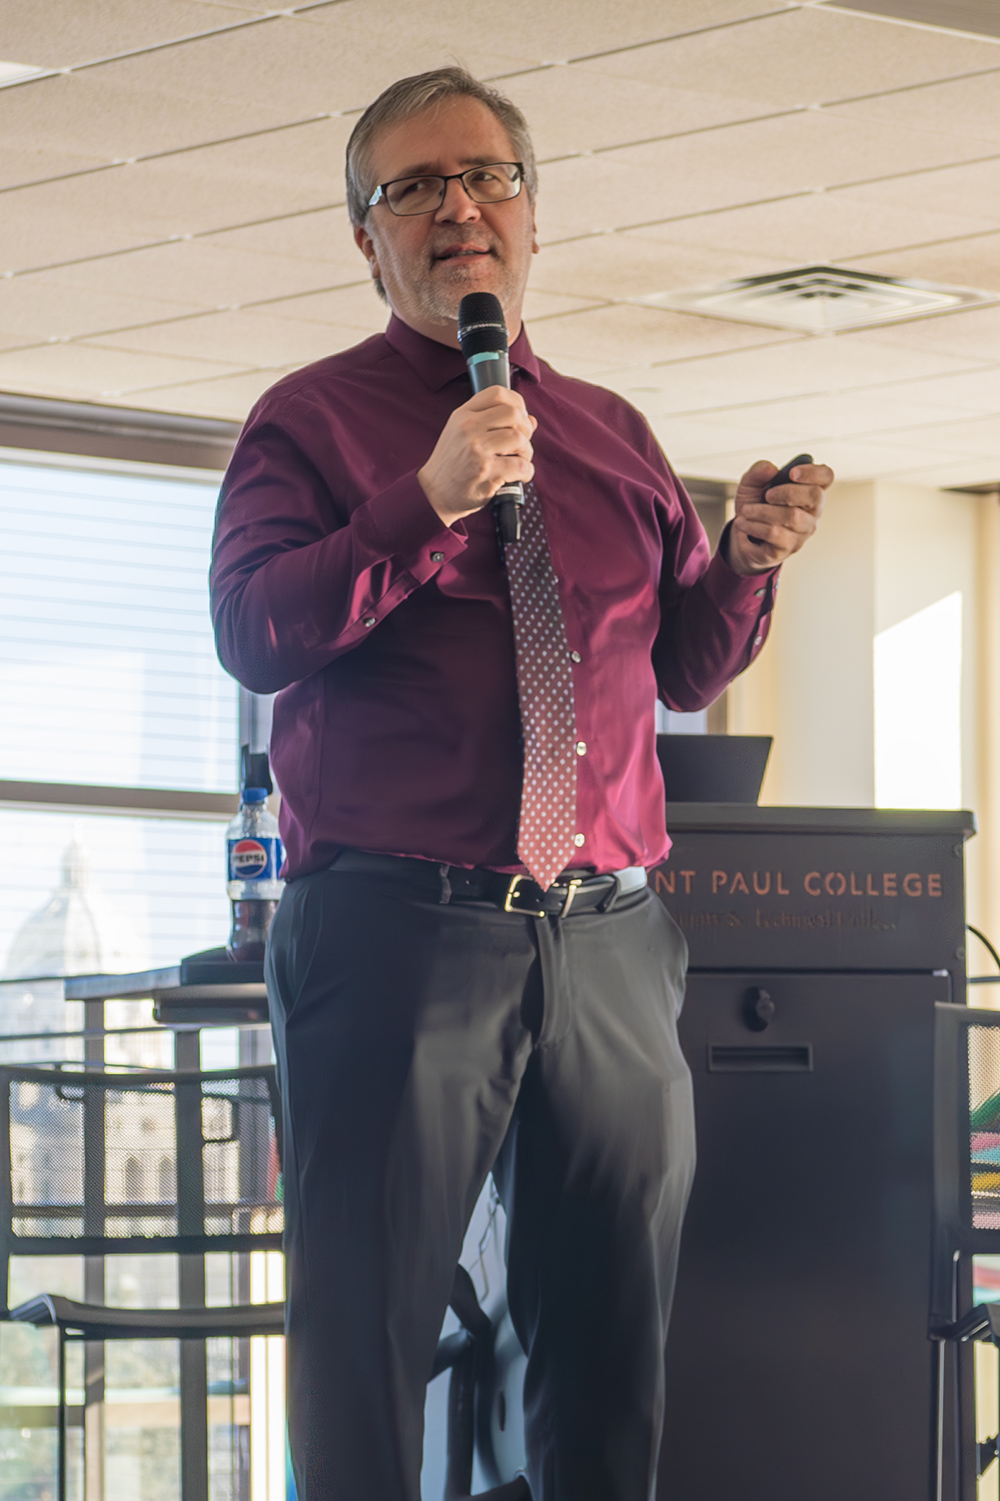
(253, 795)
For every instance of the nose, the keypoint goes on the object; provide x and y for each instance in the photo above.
(456, 206)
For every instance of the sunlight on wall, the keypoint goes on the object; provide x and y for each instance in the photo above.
(918, 737)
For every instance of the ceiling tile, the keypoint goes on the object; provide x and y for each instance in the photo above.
(48, 238)
(356, 306)
(321, 235)
(540, 305)
(792, 369)
(802, 56)
(973, 189)
(817, 228)
(558, 104)
(228, 396)
(850, 459)
(734, 165)
(38, 308)
(194, 272)
(962, 262)
(51, 34)
(968, 108)
(87, 372)
(297, 63)
(806, 423)
(187, 194)
(101, 115)
(972, 391)
(30, 160)
(975, 437)
(236, 338)
(521, 30)
(638, 264)
(948, 475)
(627, 335)
(283, 69)
(722, 433)
(972, 333)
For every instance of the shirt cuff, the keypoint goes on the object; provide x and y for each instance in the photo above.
(400, 523)
(732, 591)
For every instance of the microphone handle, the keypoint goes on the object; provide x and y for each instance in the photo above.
(493, 369)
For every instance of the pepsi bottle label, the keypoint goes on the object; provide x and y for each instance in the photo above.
(254, 859)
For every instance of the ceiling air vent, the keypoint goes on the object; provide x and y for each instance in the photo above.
(821, 299)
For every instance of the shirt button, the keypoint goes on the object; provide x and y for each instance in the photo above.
(581, 747)
(438, 557)
(579, 839)
(369, 621)
(757, 593)
(757, 640)
(574, 656)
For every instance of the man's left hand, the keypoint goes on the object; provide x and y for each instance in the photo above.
(769, 527)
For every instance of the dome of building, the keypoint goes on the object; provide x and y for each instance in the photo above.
(78, 931)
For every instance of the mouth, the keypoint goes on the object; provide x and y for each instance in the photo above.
(462, 253)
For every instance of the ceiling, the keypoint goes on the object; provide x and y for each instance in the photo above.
(173, 236)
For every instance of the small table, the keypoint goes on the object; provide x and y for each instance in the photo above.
(205, 989)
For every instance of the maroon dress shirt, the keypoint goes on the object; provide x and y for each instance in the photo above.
(388, 634)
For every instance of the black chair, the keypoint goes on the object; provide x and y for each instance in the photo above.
(967, 1224)
(98, 1163)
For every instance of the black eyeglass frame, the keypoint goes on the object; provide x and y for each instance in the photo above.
(381, 192)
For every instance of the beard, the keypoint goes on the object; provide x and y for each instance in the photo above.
(424, 285)
(441, 292)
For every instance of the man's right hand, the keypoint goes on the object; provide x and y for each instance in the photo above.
(484, 444)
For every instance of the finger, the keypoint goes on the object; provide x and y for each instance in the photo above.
(771, 539)
(759, 521)
(759, 475)
(812, 474)
(506, 471)
(791, 498)
(496, 396)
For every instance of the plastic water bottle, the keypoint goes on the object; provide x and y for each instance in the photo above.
(255, 856)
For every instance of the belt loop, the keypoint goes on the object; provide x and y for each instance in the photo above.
(606, 903)
(445, 896)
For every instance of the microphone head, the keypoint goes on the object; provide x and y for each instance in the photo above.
(482, 328)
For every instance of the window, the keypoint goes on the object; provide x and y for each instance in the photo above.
(118, 739)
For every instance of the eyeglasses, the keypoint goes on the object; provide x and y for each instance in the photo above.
(493, 183)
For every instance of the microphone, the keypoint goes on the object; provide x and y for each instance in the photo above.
(482, 334)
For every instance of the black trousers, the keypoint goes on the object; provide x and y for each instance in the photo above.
(421, 1046)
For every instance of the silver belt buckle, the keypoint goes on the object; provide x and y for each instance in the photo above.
(515, 882)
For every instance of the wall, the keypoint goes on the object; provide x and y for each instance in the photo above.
(883, 552)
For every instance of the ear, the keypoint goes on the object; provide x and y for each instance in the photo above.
(366, 245)
(535, 246)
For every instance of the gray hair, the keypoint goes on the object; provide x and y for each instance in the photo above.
(407, 96)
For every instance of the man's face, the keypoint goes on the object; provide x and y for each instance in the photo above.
(427, 262)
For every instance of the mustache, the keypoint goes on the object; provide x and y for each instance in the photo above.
(457, 242)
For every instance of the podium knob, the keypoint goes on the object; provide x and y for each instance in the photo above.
(758, 1009)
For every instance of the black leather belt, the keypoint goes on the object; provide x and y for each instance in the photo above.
(572, 893)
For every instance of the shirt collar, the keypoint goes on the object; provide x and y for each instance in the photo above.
(437, 364)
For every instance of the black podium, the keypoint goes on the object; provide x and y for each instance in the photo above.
(823, 945)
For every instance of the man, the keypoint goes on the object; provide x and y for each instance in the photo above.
(454, 723)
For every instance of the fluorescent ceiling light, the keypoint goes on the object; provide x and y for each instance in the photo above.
(977, 17)
(14, 72)
(820, 299)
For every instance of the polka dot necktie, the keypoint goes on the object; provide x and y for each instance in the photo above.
(547, 825)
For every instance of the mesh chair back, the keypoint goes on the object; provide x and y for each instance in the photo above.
(967, 1144)
(97, 1163)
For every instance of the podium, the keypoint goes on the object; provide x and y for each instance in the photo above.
(825, 946)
